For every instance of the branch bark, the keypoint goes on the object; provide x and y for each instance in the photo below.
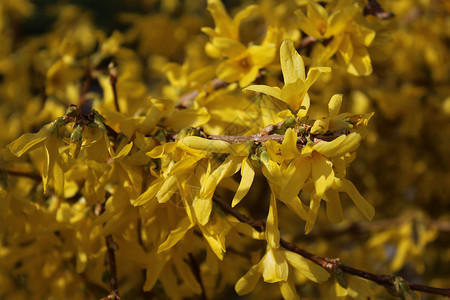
(112, 68)
(331, 265)
(110, 260)
(196, 270)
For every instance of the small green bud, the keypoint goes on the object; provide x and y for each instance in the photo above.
(57, 125)
(72, 111)
(75, 141)
(75, 137)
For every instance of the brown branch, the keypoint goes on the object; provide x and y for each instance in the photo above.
(85, 88)
(110, 260)
(113, 81)
(186, 99)
(33, 176)
(257, 138)
(374, 8)
(307, 42)
(196, 270)
(332, 265)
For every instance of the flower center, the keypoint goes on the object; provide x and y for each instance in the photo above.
(245, 63)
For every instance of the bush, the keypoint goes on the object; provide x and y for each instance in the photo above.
(167, 154)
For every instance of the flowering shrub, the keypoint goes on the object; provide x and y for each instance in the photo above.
(185, 155)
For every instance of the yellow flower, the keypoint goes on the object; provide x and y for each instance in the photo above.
(279, 265)
(296, 84)
(225, 26)
(318, 168)
(48, 137)
(349, 38)
(242, 64)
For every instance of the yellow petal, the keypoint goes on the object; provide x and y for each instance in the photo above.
(334, 105)
(216, 146)
(320, 126)
(340, 18)
(203, 204)
(52, 167)
(247, 174)
(228, 47)
(249, 76)
(334, 208)
(346, 49)
(247, 230)
(292, 64)
(317, 12)
(27, 141)
(244, 14)
(229, 71)
(293, 94)
(338, 292)
(175, 235)
(359, 288)
(262, 55)
(296, 174)
(159, 151)
(274, 265)
(289, 146)
(170, 284)
(288, 290)
(247, 283)
(214, 242)
(272, 231)
(149, 194)
(186, 274)
(306, 267)
(330, 149)
(202, 209)
(304, 107)
(361, 64)
(124, 151)
(313, 75)
(154, 268)
(230, 166)
(183, 118)
(167, 189)
(297, 207)
(271, 170)
(314, 205)
(223, 23)
(306, 25)
(350, 144)
(185, 164)
(322, 174)
(264, 89)
(363, 205)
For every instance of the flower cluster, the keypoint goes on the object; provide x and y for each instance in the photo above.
(138, 134)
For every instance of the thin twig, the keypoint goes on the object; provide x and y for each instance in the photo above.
(85, 88)
(307, 42)
(110, 260)
(374, 8)
(33, 176)
(196, 270)
(113, 81)
(331, 264)
(186, 99)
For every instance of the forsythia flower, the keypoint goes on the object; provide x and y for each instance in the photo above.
(349, 38)
(49, 139)
(242, 63)
(296, 84)
(278, 265)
